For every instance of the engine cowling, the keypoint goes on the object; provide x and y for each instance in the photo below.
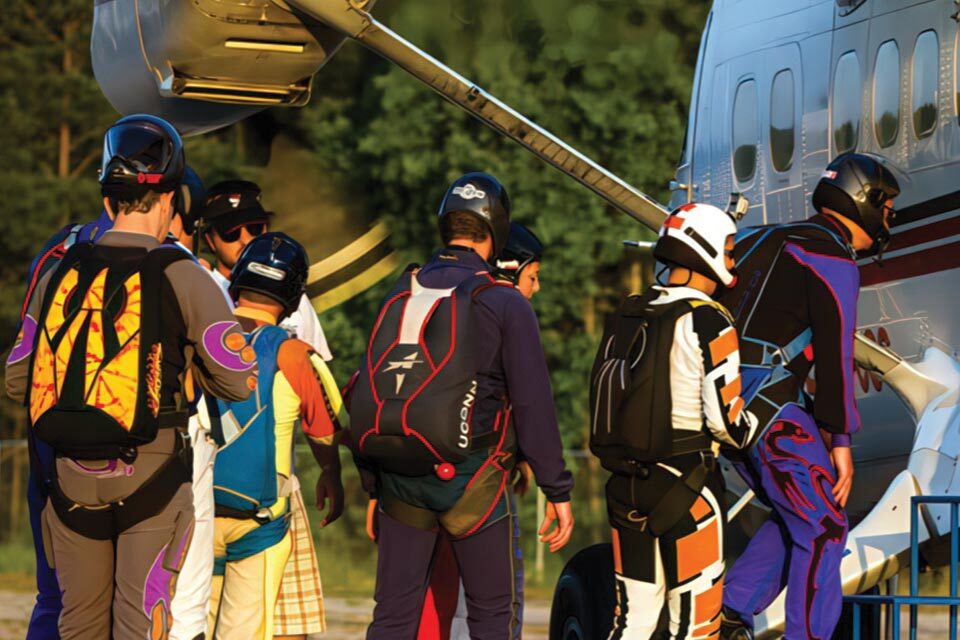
(205, 64)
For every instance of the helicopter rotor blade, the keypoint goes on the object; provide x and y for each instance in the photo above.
(351, 18)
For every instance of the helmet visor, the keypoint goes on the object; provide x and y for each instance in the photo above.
(136, 148)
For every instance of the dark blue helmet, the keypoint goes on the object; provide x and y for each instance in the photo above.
(275, 265)
(523, 247)
(189, 202)
(141, 153)
(481, 195)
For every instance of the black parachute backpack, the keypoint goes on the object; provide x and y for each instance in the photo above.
(411, 406)
(630, 401)
(102, 369)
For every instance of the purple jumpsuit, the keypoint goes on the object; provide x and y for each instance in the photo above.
(795, 307)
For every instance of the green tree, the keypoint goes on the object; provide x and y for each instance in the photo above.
(54, 116)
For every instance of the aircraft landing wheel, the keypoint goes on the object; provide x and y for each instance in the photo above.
(583, 599)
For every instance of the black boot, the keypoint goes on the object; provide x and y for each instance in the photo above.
(732, 626)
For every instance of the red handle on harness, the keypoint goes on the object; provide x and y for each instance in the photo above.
(446, 471)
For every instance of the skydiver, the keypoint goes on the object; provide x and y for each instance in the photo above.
(46, 611)
(795, 305)
(119, 516)
(665, 386)
(495, 364)
(253, 470)
(445, 611)
(233, 216)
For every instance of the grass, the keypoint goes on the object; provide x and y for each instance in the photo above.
(17, 565)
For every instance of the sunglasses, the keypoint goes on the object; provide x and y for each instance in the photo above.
(253, 228)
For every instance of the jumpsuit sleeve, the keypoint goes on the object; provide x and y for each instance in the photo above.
(220, 363)
(832, 285)
(38, 276)
(321, 407)
(18, 362)
(528, 382)
(302, 393)
(286, 411)
(723, 406)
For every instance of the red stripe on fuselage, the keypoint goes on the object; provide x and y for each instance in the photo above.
(926, 233)
(921, 263)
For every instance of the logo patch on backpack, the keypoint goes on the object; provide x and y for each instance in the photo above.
(407, 363)
(154, 358)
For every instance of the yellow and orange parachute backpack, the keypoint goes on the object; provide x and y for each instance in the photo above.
(98, 359)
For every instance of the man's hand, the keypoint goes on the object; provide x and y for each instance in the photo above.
(843, 462)
(522, 484)
(330, 488)
(372, 519)
(559, 536)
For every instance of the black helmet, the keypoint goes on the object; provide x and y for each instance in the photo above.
(481, 195)
(523, 247)
(141, 153)
(856, 186)
(275, 265)
(189, 201)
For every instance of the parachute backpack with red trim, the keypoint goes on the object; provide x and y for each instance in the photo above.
(411, 406)
(98, 370)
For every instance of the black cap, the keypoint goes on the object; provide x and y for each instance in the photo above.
(233, 202)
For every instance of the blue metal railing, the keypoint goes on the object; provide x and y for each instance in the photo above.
(914, 600)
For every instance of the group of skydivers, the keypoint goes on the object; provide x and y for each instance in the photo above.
(163, 398)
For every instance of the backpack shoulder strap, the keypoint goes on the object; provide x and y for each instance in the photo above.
(274, 334)
(696, 304)
(403, 284)
(480, 282)
(164, 256)
(634, 315)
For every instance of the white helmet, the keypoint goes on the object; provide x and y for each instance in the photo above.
(694, 236)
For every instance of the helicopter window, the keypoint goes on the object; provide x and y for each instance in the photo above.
(745, 131)
(782, 120)
(886, 93)
(926, 66)
(846, 102)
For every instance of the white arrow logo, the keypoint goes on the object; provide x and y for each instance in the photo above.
(406, 364)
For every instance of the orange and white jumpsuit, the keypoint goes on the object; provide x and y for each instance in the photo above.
(684, 565)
